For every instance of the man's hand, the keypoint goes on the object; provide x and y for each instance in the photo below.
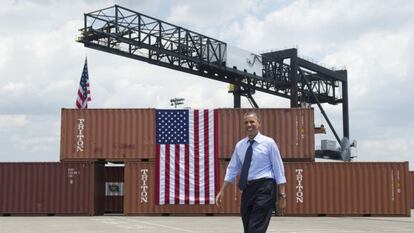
(281, 206)
(219, 198)
(220, 195)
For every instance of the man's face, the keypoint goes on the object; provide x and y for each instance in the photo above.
(251, 125)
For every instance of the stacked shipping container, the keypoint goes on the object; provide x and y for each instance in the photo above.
(292, 129)
(316, 189)
(107, 134)
(375, 188)
(51, 188)
(129, 134)
(140, 181)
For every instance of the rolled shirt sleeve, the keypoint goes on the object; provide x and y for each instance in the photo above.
(277, 164)
(234, 167)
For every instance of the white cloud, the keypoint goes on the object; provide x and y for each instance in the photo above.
(318, 27)
(8, 122)
(6, 48)
(378, 59)
(210, 14)
(12, 86)
(29, 138)
(387, 149)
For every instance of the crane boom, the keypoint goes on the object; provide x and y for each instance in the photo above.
(127, 33)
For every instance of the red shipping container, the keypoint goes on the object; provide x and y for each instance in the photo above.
(140, 194)
(313, 189)
(107, 134)
(291, 128)
(74, 188)
(356, 188)
(129, 134)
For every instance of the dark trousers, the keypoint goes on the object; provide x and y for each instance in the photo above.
(257, 203)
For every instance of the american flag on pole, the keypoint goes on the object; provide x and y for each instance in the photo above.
(84, 93)
(187, 164)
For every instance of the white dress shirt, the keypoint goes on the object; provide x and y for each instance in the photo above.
(266, 160)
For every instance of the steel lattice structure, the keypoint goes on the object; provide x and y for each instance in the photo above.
(127, 33)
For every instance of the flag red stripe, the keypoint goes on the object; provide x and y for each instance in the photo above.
(177, 174)
(157, 174)
(80, 95)
(196, 159)
(167, 173)
(187, 174)
(206, 159)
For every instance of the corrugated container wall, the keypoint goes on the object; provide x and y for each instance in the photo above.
(129, 134)
(348, 188)
(109, 134)
(412, 189)
(139, 195)
(114, 189)
(292, 128)
(343, 189)
(51, 188)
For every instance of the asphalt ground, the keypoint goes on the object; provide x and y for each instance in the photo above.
(126, 224)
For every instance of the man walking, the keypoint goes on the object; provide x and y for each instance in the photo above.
(257, 159)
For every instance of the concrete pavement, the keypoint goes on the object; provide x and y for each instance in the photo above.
(124, 224)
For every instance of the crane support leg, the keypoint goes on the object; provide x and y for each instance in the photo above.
(320, 107)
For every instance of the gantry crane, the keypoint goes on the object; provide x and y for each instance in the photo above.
(127, 33)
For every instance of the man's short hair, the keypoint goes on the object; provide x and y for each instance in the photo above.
(252, 113)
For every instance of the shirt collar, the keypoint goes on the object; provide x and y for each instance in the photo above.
(258, 138)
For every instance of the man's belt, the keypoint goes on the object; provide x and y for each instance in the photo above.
(250, 182)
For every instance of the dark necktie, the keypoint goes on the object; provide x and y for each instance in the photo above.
(246, 165)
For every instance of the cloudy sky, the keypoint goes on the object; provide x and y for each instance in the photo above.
(41, 64)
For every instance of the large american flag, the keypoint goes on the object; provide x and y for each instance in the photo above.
(84, 93)
(187, 164)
